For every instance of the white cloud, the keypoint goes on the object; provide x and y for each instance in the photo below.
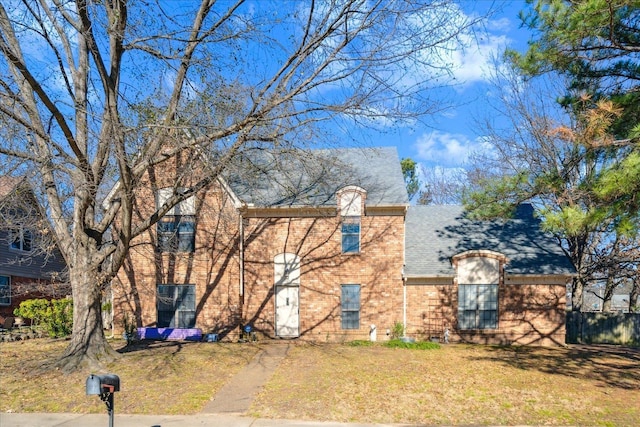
(472, 63)
(447, 150)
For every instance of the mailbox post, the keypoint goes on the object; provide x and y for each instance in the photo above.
(104, 386)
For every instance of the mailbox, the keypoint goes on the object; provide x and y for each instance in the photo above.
(99, 384)
(104, 386)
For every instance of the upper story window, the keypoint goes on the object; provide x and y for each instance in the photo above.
(21, 239)
(5, 290)
(350, 229)
(350, 204)
(176, 229)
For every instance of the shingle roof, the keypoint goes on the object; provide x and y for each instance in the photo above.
(434, 234)
(289, 178)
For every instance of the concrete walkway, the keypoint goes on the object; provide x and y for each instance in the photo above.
(236, 396)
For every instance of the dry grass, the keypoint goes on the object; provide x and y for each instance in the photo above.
(457, 384)
(165, 378)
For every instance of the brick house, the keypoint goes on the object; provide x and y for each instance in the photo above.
(312, 245)
(496, 282)
(29, 266)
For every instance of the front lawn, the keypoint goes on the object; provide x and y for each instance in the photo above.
(455, 384)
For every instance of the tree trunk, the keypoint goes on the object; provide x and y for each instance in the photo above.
(634, 306)
(577, 288)
(88, 346)
(608, 295)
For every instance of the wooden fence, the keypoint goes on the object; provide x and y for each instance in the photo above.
(603, 328)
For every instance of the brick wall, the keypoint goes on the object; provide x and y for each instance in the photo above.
(214, 268)
(317, 241)
(531, 310)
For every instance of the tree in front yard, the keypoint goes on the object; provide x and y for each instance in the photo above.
(93, 95)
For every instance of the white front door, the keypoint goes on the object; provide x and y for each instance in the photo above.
(287, 311)
(286, 280)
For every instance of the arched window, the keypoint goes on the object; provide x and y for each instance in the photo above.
(478, 274)
(351, 205)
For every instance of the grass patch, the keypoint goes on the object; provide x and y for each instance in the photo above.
(360, 343)
(418, 345)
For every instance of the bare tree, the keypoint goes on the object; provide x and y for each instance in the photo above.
(94, 93)
(442, 186)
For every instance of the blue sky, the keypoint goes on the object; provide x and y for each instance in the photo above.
(449, 136)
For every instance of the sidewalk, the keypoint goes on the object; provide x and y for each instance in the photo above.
(124, 420)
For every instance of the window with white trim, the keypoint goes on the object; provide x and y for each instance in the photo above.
(478, 279)
(350, 202)
(20, 239)
(176, 229)
(5, 290)
(350, 229)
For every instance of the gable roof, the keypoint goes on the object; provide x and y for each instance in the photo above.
(311, 178)
(434, 234)
(17, 200)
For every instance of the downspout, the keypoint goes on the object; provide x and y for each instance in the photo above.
(404, 302)
(241, 262)
(241, 273)
(404, 279)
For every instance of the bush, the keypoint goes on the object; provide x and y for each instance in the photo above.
(397, 331)
(34, 309)
(56, 316)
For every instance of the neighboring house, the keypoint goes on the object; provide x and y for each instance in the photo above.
(28, 267)
(321, 245)
(593, 298)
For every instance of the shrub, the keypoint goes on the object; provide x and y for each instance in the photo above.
(397, 331)
(60, 320)
(56, 316)
(34, 309)
(130, 329)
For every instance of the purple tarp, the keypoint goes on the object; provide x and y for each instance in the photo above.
(191, 334)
